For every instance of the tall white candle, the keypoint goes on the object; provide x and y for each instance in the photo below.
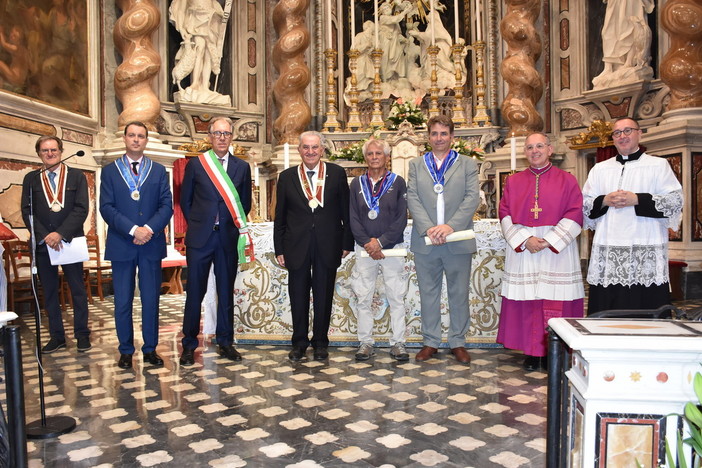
(455, 22)
(513, 156)
(431, 17)
(329, 25)
(353, 21)
(256, 175)
(375, 6)
(286, 155)
(478, 22)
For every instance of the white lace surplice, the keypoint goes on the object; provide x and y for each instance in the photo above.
(628, 249)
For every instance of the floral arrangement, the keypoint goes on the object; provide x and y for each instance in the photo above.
(401, 111)
(353, 152)
(463, 147)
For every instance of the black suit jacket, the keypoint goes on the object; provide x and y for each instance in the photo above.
(295, 222)
(69, 221)
(201, 202)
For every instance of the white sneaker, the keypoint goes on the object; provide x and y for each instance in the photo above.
(365, 351)
(398, 352)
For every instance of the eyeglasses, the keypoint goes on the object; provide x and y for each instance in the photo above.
(219, 134)
(49, 150)
(625, 131)
(538, 146)
(310, 147)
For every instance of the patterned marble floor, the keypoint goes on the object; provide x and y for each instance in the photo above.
(268, 412)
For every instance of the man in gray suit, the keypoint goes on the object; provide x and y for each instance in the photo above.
(442, 196)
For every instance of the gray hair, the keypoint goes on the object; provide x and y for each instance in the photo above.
(322, 139)
(217, 119)
(378, 142)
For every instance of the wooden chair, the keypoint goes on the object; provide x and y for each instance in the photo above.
(97, 269)
(18, 264)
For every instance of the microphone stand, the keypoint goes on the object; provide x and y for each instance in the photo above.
(54, 426)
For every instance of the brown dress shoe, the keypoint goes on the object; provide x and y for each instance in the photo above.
(425, 353)
(461, 354)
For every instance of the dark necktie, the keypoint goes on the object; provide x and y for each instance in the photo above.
(310, 174)
(135, 164)
(52, 180)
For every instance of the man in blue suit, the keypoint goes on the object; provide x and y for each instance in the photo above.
(215, 198)
(136, 204)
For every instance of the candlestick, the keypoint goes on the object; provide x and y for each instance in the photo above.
(455, 21)
(256, 175)
(431, 18)
(286, 155)
(375, 5)
(513, 155)
(478, 22)
(329, 25)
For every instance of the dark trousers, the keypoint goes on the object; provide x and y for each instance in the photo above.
(637, 296)
(49, 276)
(225, 268)
(123, 280)
(314, 275)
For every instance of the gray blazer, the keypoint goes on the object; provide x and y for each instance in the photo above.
(461, 198)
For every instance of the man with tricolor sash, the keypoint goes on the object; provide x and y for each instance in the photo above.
(136, 204)
(442, 196)
(215, 198)
(311, 235)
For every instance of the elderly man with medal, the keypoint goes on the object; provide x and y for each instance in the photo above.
(60, 199)
(442, 196)
(136, 204)
(311, 235)
(378, 216)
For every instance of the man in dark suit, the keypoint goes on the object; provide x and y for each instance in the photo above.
(215, 198)
(311, 234)
(136, 203)
(60, 199)
(442, 196)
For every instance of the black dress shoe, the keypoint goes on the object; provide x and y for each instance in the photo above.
(321, 353)
(531, 363)
(230, 353)
(544, 363)
(125, 361)
(187, 358)
(153, 358)
(296, 354)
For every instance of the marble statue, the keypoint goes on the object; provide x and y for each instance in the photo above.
(140, 61)
(288, 58)
(392, 42)
(202, 24)
(363, 42)
(518, 68)
(445, 73)
(626, 43)
(681, 67)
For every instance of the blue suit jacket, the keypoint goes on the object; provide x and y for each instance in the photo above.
(201, 202)
(121, 213)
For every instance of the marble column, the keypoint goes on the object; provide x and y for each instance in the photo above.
(288, 58)
(518, 68)
(681, 68)
(140, 61)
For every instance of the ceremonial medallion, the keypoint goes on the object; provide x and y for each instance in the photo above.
(372, 214)
(438, 188)
(55, 207)
(313, 203)
(135, 195)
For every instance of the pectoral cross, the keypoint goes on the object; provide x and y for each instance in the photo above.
(536, 210)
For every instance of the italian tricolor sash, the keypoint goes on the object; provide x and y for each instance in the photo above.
(225, 187)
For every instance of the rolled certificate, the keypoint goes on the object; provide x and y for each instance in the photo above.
(388, 253)
(454, 236)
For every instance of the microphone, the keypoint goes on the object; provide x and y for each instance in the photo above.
(80, 154)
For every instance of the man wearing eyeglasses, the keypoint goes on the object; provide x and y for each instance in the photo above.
(60, 206)
(215, 198)
(311, 235)
(630, 202)
(541, 214)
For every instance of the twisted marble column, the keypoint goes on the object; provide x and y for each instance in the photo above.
(294, 75)
(519, 66)
(681, 68)
(141, 62)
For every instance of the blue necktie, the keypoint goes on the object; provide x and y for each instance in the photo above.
(52, 180)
